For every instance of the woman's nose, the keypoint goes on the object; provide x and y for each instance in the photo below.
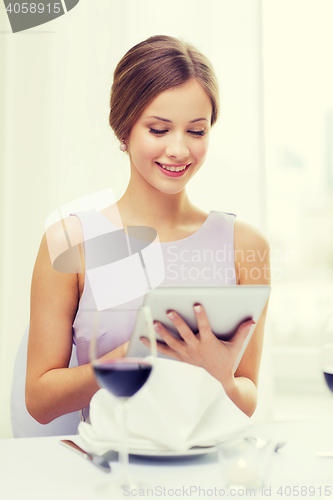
(177, 148)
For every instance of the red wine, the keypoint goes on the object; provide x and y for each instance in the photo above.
(122, 378)
(329, 380)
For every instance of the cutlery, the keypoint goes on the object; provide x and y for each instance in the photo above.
(98, 460)
(279, 445)
(260, 443)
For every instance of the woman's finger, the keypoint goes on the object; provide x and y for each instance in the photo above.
(184, 330)
(202, 321)
(168, 338)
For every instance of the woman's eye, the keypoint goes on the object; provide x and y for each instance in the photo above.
(194, 132)
(161, 132)
(157, 132)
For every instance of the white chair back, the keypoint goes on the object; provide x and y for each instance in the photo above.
(23, 424)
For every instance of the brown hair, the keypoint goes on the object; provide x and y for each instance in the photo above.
(151, 67)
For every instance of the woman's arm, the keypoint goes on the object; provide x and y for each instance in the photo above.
(53, 389)
(252, 262)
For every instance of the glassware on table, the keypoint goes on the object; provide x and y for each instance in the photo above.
(327, 353)
(122, 377)
(244, 463)
(327, 365)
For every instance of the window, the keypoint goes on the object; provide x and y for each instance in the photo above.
(297, 44)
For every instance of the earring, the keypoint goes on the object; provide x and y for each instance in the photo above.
(123, 146)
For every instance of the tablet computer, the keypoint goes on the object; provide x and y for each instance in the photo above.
(226, 308)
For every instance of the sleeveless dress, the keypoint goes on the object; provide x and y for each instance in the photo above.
(205, 258)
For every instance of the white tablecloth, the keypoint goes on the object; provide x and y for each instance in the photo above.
(42, 469)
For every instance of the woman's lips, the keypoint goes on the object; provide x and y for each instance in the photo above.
(172, 174)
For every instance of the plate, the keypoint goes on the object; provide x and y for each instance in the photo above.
(192, 452)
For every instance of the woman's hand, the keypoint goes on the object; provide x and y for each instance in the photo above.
(203, 349)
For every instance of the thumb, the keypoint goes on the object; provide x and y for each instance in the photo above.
(242, 332)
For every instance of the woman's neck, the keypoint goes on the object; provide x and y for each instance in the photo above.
(151, 207)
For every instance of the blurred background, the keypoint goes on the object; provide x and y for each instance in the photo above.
(270, 159)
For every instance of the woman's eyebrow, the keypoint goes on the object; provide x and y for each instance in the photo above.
(169, 121)
(159, 118)
(198, 120)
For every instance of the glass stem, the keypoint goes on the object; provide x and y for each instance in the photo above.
(123, 451)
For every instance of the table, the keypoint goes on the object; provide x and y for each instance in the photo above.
(42, 469)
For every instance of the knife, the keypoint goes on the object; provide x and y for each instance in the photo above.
(98, 460)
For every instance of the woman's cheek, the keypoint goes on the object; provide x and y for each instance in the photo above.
(150, 146)
(201, 149)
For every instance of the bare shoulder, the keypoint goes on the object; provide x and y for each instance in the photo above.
(70, 226)
(249, 237)
(62, 235)
(54, 283)
(56, 240)
(252, 254)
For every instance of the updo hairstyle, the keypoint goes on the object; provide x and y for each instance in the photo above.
(151, 67)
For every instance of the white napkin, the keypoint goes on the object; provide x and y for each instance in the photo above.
(180, 406)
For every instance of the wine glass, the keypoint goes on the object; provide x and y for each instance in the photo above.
(327, 353)
(122, 377)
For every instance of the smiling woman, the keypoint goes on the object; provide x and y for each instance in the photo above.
(164, 101)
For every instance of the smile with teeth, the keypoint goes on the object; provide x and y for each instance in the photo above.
(172, 169)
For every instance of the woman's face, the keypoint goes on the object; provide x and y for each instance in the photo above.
(169, 141)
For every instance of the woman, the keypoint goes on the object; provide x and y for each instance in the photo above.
(164, 100)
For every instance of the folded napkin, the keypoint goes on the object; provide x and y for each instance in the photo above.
(179, 407)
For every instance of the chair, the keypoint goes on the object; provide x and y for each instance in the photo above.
(23, 424)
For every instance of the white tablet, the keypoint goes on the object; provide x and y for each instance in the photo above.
(226, 308)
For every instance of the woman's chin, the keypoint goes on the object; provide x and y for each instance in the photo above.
(170, 190)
